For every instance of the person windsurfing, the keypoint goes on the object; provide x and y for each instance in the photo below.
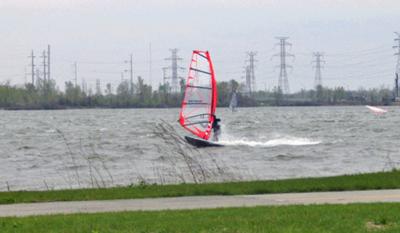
(199, 102)
(216, 129)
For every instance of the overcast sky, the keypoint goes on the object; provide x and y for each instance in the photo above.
(356, 37)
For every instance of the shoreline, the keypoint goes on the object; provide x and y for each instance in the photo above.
(178, 107)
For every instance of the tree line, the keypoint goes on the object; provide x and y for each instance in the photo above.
(46, 95)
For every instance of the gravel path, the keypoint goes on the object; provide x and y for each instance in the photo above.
(199, 202)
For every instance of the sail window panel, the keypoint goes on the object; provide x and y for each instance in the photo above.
(198, 96)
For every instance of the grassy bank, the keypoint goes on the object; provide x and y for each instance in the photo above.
(322, 218)
(380, 180)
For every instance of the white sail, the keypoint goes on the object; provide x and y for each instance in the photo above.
(234, 102)
(376, 109)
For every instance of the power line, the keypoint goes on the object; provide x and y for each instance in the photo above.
(374, 50)
(365, 75)
(362, 64)
(99, 62)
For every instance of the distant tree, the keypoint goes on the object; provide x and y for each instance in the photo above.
(224, 93)
(182, 84)
(319, 94)
(234, 85)
(108, 90)
(123, 94)
(278, 96)
(339, 95)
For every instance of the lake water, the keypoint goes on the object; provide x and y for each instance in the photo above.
(109, 147)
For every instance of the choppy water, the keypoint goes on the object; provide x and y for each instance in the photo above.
(91, 148)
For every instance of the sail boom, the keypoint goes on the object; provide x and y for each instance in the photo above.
(200, 87)
(201, 71)
(196, 123)
(196, 103)
(198, 115)
(201, 55)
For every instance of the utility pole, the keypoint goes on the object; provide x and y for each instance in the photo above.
(251, 66)
(48, 62)
(318, 66)
(98, 87)
(165, 78)
(248, 79)
(44, 56)
(131, 73)
(397, 47)
(130, 70)
(150, 65)
(25, 75)
(84, 86)
(283, 82)
(174, 70)
(32, 57)
(76, 73)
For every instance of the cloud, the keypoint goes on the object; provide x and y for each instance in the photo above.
(309, 6)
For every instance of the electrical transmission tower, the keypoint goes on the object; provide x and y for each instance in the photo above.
(318, 66)
(397, 47)
(174, 67)
(45, 63)
(44, 56)
(32, 57)
(250, 74)
(283, 82)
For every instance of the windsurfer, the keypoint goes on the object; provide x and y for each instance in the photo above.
(216, 129)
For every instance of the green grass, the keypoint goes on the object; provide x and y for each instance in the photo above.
(380, 180)
(291, 219)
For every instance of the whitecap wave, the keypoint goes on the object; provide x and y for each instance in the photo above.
(271, 143)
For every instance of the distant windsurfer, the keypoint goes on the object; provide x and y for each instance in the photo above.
(216, 129)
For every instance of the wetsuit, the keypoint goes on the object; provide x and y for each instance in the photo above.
(216, 129)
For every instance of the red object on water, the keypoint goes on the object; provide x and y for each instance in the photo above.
(200, 99)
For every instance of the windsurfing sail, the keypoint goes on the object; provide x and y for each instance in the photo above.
(234, 102)
(376, 109)
(200, 99)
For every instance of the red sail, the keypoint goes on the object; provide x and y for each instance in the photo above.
(200, 99)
